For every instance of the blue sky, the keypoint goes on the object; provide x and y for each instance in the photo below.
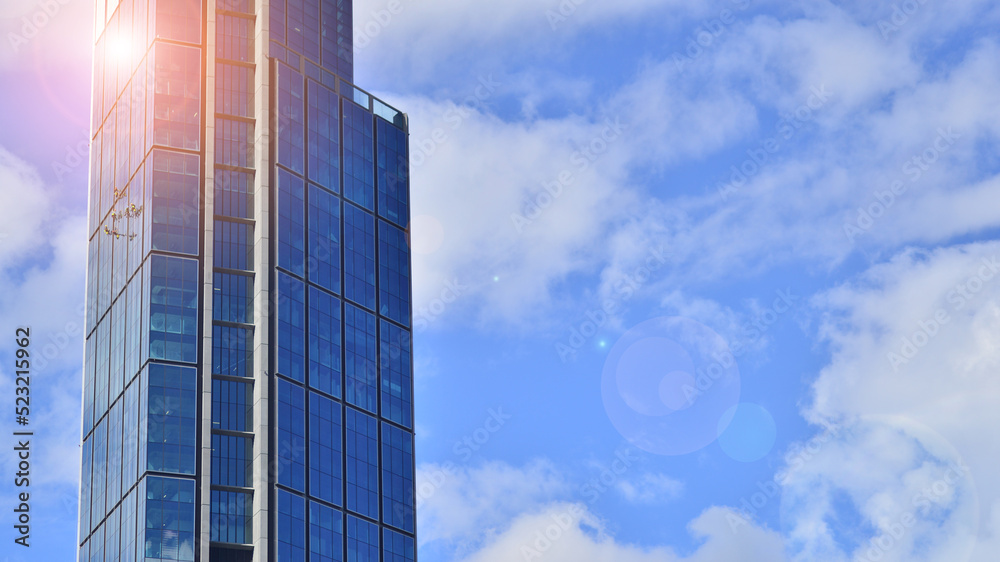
(612, 201)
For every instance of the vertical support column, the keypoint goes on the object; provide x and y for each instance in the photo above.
(204, 510)
(263, 309)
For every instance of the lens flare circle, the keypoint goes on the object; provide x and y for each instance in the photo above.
(667, 384)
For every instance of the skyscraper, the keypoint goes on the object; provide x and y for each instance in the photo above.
(248, 371)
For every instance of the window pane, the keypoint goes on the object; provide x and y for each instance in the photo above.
(172, 426)
(173, 309)
(324, 342)
(291, 327)
(326, 533)
(324, 137)
(361, 376)
(232, 298)
(324, 239)
(397, 380)
(291, 446)
(174, 217)
(232, 515)
(359, 159)
(232, 405)
(393, 174)
(291, 527)
(232, 351)
(361, 448)
(359, 256)
(177, 96)
(397, 478)
(291, 119)
(397, 547)
(169, 516)
(362, 540)
(231, 461)
(291, 223)
(325, 450)
(394, 273)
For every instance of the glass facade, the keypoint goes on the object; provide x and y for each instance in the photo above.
(248, 265)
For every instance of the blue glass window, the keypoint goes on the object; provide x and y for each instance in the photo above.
(324, 239)
(137, 195)
(87, 470)
(303, 28)
(231, 461)
(233, 245)
(324, 137)
(128, 528)
(177, 95)
(93, 269)
(291, 223)
(324, 342)
(277, 17)
(234, 138)
(232, 298)
(291, 446)
(114, 484)
(291, 327)
(231, 514)
(397, 478)
(325, 450)
(234, 35)
(169, 517)
(394, 353)
(326, 534)
(360, 355)
(232, 351)
(291, 527)
(179, 19)
(393, 174)
(232, 405)
(394, 274)
(172, 425)
(234, 93)
(116, 357)
(291, 119)
(362, 540)
(97, 546)
(130, 436)
(397, 547)
(362, 463)
(175, 206)
(338, 47)
(359, 256)
(112, 528)
(359, 160)
(173, 311)
(133, 328)
(234, 193)
(101, 379)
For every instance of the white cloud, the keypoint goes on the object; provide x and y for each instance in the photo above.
(914, 372)
(460, 504)
(502, 513)
(421, 37)
(43, 270)
(650, 489)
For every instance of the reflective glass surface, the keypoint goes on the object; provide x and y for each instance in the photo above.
(326, 533)
(360, 352)
(324, 342)
(291, 445)
(173, 314)
(361, 449)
